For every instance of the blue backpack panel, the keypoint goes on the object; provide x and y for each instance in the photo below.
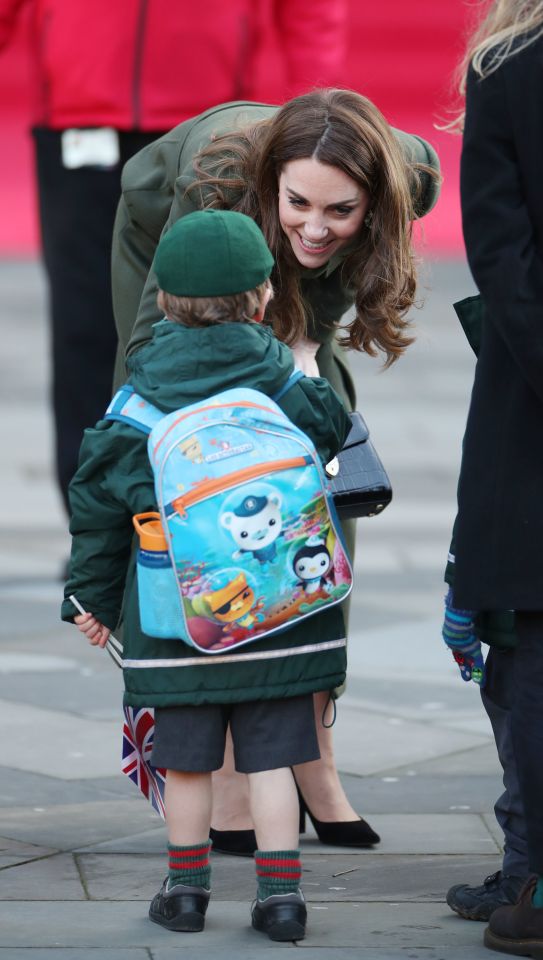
(247, 541)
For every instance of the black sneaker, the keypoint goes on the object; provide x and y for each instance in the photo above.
(181, 908)
(282, 916)
(479, 903)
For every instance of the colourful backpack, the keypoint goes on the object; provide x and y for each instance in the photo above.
(247, 541)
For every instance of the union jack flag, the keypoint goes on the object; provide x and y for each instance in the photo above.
(138, 731)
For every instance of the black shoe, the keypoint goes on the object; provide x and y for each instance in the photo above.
(479, 903)
(182, 908)
(238, 843)
(339, 833)
(282, 916)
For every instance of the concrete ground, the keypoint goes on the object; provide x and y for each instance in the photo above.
(81, 853)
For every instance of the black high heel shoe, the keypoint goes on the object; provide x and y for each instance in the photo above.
(238, 843)
(339, 833)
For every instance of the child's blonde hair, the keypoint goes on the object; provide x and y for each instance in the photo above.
(209, 311)
(495, 39)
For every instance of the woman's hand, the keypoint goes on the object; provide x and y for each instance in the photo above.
(304, 356)
(95, 632)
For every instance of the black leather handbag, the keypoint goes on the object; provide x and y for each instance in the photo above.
(360, 483)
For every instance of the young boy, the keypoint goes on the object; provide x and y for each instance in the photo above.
(213, 271)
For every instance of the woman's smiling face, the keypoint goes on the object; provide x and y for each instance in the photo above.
(321, 209)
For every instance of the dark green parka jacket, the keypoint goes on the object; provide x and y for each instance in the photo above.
(178, 367)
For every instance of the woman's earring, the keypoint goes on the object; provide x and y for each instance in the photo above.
(368, 219)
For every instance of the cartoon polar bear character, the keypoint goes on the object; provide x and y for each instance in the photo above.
(255, 525)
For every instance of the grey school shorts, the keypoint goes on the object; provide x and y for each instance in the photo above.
(267, 734)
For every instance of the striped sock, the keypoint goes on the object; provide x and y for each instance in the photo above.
(189, 865)
(277, 871)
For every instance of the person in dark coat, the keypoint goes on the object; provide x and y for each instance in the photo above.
(498, 562)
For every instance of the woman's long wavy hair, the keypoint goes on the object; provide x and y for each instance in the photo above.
(505, 28)
(241, 171)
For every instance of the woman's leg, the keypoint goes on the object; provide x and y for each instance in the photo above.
(318, 780)
(230, 795)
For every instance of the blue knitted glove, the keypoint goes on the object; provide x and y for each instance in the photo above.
(458, 634)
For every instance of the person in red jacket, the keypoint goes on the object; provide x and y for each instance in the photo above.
(106, 85)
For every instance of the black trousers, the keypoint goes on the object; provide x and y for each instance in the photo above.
(527, 728)
(77, 210)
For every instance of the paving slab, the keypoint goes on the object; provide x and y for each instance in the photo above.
(408, 792)
(350, 953)
(274, 953)
(53, 878)
(448, 698)
(467, 763)
(326, 878)
(80, 690)
(14, 851)
(411, 833)
(69, 953)
(65, 827)
(334, 926)
(253, 951)
(366, 744)
(409, 652)
(419, 834)
(74, 748)
(21, 788)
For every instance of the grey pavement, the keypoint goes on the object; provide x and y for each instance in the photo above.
(81, 853)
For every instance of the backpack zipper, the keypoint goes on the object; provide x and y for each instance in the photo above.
(210, 487)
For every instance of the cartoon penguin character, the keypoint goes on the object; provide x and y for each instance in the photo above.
(311, 564)
(255, 525)
(233, 603)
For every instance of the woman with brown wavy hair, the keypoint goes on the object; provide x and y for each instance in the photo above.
(335, 190)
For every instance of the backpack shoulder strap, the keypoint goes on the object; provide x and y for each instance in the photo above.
(296, 375)
(128, 407)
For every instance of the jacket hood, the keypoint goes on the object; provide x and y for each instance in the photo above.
(183, 365)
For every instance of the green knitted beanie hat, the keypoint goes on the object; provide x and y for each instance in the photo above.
(212, 253)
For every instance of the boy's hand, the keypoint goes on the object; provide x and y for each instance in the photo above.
(95, 632)
(458, 633)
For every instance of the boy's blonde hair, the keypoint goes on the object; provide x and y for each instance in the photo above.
(210, 311)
